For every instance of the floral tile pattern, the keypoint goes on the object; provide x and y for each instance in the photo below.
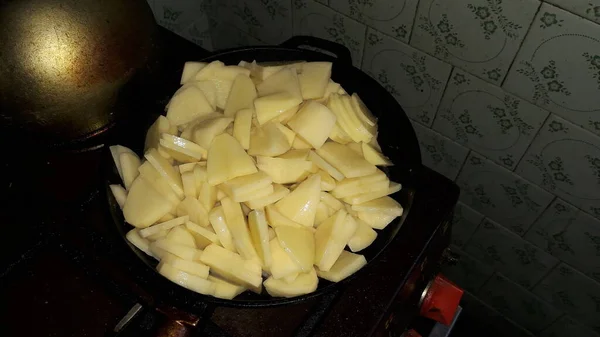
(314, 19)
(179, 15)
(267, 20)
(487, 119)
(199, 32)
(517, 303)
(464, 223)
(395, 18)
(566, 326)
(415, 79)
(491, 321)
(501, 195)
(440, 153)
(573, 292)
(469, 273)
(226, 36)
(589, 9)
(553, 163)
(569, 234)
(509, 254)
(480, 36)
(558, 67)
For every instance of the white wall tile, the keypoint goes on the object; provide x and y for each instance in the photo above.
(558, 67)
(509, 254)
(395, 18)
(569, 234)
(565, 160)
(573, 292)
(469, 273)
(464, 223)
(314, 19)
(487, 119)
(266, 20)
(479, 36)
(415, 79)
(518, 304)
(589, 9)
(566, 326)
(440, 153)
(500, 194)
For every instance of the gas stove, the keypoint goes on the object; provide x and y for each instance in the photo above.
(59, 277)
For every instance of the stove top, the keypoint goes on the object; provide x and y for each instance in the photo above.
(59, 278)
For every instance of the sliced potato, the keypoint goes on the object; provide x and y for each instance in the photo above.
(184, 252)
(242, 126)
(232, 267)
(268, 140)
(188, 103)
(314, 79)
(299, 244)
(133, 236)
(182, 149)
(115, 151)
(162, 166)
(348, 162)
(282, 170)
(119, 193)
(354, 186)
(276, 219)
(259, 232)
(238, 228)
(225, 290)
(313, 122)
(160, 126)
(194, 209)
(181, 236)
(191, 267)
(331, 237)
(375, 157)
(203, 236)
(305, 283)
(362, 198)
(186, 280)
(227, 160)
(163, 226)
(346, 265)
(327, 181)
(245, 184)
(362, 238)
(204, 132)
(207, 196)
(301, 204)
(375, 219)
(189, 184)
(241, 96)
(279, 192)
(285, 80)
(190, 69)
(385, 205)
(219, 225)
(144, 205)
(274, 105)
(325, 166)
(282, 264)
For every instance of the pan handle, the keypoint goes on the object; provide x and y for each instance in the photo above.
(339, 51)
(177, 323)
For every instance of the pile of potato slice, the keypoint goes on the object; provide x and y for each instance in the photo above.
(257, 172)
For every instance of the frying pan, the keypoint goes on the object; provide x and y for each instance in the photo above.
(397, 140)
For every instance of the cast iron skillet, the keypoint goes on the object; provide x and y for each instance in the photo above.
(396, 137)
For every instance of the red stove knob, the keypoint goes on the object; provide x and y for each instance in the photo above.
(440, 300)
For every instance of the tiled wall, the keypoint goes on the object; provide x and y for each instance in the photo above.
(505, 99)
